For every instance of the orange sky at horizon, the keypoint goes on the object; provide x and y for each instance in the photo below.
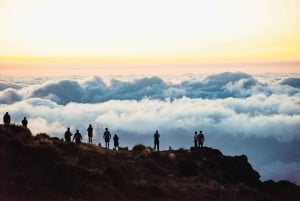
(143, 69)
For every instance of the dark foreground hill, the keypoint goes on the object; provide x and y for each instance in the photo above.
(41, 168)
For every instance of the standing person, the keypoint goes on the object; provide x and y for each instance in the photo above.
(77, 137)
(200, 139)
(6, 118)
(156, 140)
(106, 136)
(24, 122)
(116, 141)
(68, 135)
(90, 134)
(196, 139)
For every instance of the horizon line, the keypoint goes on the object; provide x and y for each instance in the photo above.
(145, 60)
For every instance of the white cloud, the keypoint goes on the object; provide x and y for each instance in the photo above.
(291, 81)
(236, 106)
(9, 95)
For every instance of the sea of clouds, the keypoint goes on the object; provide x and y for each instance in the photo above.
(239, 113)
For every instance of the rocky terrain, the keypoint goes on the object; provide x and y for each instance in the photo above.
(41, 168)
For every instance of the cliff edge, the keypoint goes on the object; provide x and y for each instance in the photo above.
(44, 168)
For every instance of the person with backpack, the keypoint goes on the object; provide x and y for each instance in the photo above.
(116, 141)
(77, 137)
(200, 139)
(68, 135)
(106, 137)
(156, 140)
(90, 134)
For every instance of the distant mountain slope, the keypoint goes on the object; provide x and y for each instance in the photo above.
(44, 168)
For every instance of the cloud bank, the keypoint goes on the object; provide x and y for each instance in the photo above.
(239, 113)
(95, 90)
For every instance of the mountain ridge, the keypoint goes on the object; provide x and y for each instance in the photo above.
(44, 168)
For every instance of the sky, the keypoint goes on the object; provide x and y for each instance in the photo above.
(38, 34)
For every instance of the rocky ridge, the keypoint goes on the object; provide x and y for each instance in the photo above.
(44, 168)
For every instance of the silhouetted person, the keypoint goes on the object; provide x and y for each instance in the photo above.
(116, 141)
(90, 134)
(156, 141)
(68, 135)
(24, 122)
(106, 136)
(6, 118)
(200, 139)
(196, 139)
(77, 137)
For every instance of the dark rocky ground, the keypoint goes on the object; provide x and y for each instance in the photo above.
(41, 168)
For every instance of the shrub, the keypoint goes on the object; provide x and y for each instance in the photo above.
(138, 147)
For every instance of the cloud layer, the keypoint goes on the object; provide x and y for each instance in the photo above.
(95, 90)
(239, 113)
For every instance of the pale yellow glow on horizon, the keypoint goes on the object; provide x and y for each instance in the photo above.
(146, 31)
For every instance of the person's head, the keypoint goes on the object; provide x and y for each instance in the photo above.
(200, 131)
(106, 129)
(90, 125)
(156, 131)
(195, 132)
(68, 128)
(77, 131)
